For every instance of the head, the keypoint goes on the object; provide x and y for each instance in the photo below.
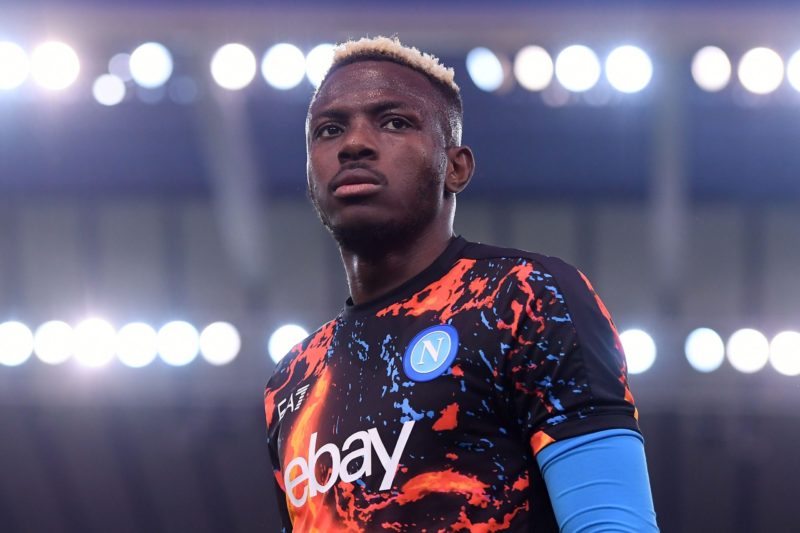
(383, 136)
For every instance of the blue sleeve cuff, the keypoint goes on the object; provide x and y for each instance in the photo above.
(598, 482)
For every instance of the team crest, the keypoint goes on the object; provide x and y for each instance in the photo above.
(431, 352)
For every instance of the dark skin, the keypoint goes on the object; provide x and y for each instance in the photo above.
(381, 175)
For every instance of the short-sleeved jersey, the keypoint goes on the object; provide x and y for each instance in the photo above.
(424, 410)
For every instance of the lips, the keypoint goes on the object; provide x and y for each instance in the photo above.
(355, 182)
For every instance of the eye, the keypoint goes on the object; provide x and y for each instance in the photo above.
(328, 130)
(396, 123)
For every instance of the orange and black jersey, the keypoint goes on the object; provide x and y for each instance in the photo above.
(424, 410)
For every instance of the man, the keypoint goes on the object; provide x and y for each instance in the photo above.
(463, 387)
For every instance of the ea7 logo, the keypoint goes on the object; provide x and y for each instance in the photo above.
(301, 472)
(293, 402)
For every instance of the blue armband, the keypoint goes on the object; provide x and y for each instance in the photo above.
(598, 482)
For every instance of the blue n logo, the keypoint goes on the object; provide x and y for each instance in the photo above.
(431, 352)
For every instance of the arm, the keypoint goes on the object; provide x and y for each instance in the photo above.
(598, 482)
(280, 493)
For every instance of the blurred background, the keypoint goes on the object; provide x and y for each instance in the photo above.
(158, 254)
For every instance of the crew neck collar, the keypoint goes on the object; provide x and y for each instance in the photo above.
(434, 271)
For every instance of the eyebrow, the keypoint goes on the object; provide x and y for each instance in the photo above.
(374, 109)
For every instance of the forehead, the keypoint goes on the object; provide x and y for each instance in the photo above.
(363, 82)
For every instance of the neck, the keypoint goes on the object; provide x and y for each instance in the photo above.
(372, 276)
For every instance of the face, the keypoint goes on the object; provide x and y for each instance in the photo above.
(376, 155)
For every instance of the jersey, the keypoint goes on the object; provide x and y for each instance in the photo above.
(424, 410)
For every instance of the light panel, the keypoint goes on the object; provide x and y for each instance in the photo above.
(711, 69)
(283, 66)
(55, 65)
(485, 69)
(283, 339)
(640, 350)
(233, 66)
(533, 68)
(14, 65)
(577, 68)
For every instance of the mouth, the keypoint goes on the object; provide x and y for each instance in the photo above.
(355, 182)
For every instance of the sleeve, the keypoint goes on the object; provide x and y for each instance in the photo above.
(599, 480)
(280, 493)
(566, 365)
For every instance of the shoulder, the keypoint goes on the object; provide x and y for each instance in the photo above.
(552, 271)
(305, 359)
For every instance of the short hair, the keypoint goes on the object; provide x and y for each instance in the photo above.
(391, 49)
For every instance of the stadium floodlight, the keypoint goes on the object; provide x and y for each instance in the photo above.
(318, 61)
(14, 65)
(178, 343)
(629, 69)
(220, 343)
(137, 344)
(784, 353)
(108, 90)
(53, 342)
(485, 69)
(120, 66)
(761, 70)
(55, 65)
(711, 69)
(533, 68)
(16, 343)
(283, 66)
(577, 68)
(233, 66)
(704, 350)
(748, 350)
(283, 339)
(793, 70)
(640, 350)
(151, 65)
(95, 342)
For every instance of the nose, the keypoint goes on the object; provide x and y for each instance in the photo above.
(358, 143)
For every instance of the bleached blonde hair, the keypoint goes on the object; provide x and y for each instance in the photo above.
(391, 49)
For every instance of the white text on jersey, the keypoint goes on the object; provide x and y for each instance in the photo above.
(339, 465)
(293, 402)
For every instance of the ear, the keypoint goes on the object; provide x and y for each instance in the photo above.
(460, 167)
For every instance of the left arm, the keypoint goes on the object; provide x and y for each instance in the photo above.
(598, 482)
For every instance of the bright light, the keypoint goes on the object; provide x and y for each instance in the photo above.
(137, 344)
(628, 69)
(318, 61)
(748, 350)
(53, 342)
(16, 343)
(233, 66)
(577, 68)
(485, 69)
(533, 68)
(640, 350)
(95, 342)
(711, 69)
(14, 65)
(151, 65)
(108, 90)
(784, 353)
(283, 339)
(178, 343)
(705, 350)
(761, 70)
(220, 343)
(55, 66)
(793, 70)
(120, 66)
(283, 66)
